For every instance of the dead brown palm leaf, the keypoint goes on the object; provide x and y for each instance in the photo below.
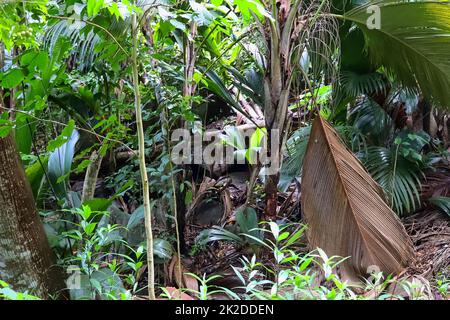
(345, 210)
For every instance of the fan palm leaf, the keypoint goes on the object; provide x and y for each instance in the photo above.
(399, 177)
(372, 121)
(345, 209)
(355, 84)
(413, 41)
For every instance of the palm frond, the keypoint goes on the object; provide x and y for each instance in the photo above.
(355, 84)
(314, 42)
(372, 121)
(296, 149)
(399, 177)
(250, 83)
(413, 41)
(443, 203)
(345, 210)
(84, 38)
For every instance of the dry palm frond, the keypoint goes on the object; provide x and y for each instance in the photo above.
(345, 209)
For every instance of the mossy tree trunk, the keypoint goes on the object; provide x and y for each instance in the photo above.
(26, 260)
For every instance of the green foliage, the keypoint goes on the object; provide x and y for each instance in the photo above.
(35, 175)
(292, 166)
(290, 275)
(235, 138)
(443, 203)
(12, 78)
(248, 232)
(7, 293)
(95, 271)
(398, 176)
(399, 169)
(60, 162)
(358, 84)
(294, 276)
(21, 21)
(415, 29)
(443, 285)
(67, 66)
(372, 121)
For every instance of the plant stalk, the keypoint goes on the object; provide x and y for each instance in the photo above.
(142, 164)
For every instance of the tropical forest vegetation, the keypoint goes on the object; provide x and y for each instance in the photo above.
(224, 149)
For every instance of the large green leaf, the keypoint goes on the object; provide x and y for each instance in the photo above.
(60, 163)
(35, 175)
(413, 41)
(12, 78)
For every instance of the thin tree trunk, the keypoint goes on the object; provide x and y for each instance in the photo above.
(12, 92)
(90, 180)
(142, 164)
(2, 63)
(26, 260)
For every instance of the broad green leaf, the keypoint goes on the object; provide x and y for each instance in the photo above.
(162, 248)
(177, 24)
(62, 138)
(443, 203)
(136, 218)
(5, 125)
(60, 163)
(98, 204)
(93, 7)
(248, 6)
(12, 78)
(35, 175)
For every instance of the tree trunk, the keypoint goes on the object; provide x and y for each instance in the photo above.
(26, 260)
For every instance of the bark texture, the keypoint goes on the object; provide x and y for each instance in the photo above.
(90, 179)
(26, 260)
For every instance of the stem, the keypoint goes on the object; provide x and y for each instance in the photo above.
(394, 173)
(177, 230)
(142, 165)
(175, 199)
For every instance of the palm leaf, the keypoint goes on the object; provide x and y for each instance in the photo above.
(84, 42)
(250, 84)
(297, 145)
(399, 177)
(60, 163)
(292, 166)
(84, 38)
(413, 42)
(355, 84)
(35, 175)
(345, 210)
(443, 203)
(372, 121)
